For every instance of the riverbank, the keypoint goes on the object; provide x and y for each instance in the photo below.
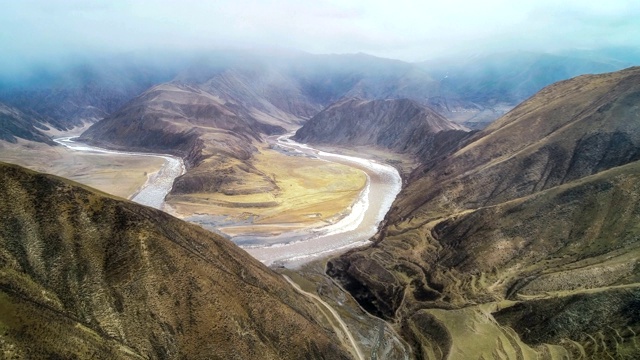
(303, 193)
(116, 175)
(296, 248)
(155, 189)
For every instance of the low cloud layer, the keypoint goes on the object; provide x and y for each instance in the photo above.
(32, 31)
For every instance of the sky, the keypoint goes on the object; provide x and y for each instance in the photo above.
(410, 30)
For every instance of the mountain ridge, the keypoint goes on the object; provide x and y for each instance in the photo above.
(85, 274)
(15, 124)
(400, 125)
(538, 210)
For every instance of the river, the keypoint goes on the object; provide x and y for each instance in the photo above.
(158, 184)
(293, 248)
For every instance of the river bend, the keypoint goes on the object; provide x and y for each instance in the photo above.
(297, 247)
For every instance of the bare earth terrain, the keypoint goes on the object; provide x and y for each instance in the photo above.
(113, 174)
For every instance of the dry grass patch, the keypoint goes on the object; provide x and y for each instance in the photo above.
(307, 191)
(120, 175)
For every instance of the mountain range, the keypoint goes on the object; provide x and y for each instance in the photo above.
(217, 112)
(531, 223)
(288, 87)
(519, 240)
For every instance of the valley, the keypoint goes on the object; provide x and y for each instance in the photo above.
(355, 227)
(325, 207)
(339, 206)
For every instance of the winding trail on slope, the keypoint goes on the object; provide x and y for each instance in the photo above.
(318, 301)
(158, 184)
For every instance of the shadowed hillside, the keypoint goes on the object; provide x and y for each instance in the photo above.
(216, 138)
(402, 126)
(16, 124)
(85, 275)
(534, 220)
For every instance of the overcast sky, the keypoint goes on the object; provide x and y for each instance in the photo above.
(402, 29)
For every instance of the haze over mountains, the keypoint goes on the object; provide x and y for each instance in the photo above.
(285, 88)
(519, 240)
(85, 90)
(496, 82)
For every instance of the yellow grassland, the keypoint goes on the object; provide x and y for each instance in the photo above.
(308, 191)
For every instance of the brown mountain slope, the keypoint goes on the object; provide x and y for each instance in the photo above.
(183, 120)
(85, 275)
(539, 213)
(567, 131)
(215, 137)
(400, 125)
(269, 95)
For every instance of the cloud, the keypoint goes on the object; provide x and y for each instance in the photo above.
(33, 30)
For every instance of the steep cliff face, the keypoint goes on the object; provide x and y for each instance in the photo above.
(401, 125)
(85, 275)
(536, 216)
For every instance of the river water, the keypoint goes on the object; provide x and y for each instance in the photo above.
(292, 248)
(158, 184)
(295, 248)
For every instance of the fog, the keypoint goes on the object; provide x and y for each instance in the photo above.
(50, 31)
